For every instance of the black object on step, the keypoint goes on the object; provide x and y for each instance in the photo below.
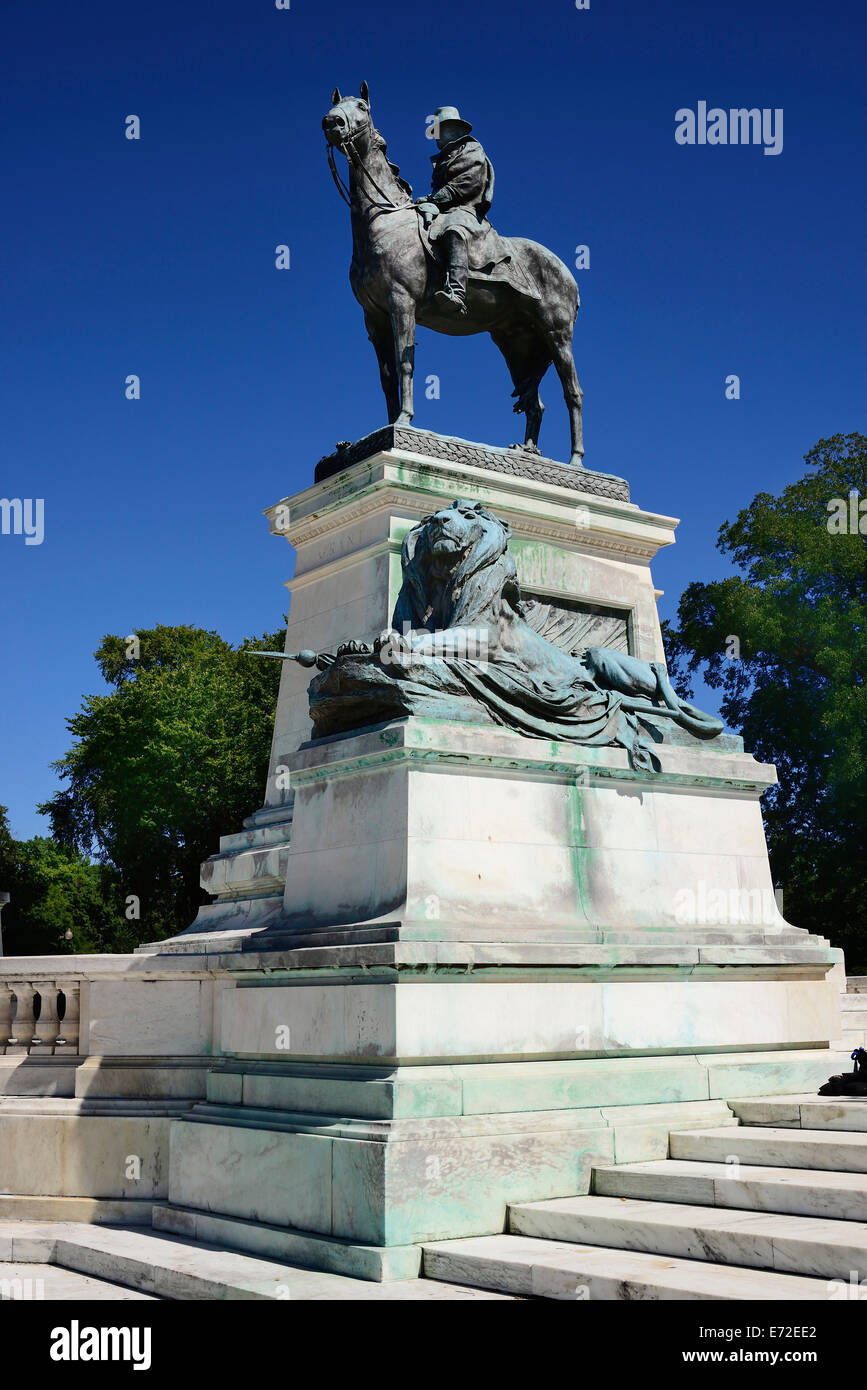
(851, 1083)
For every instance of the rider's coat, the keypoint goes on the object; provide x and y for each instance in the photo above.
(462, 188)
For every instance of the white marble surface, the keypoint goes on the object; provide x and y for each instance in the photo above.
(347, 536)
(826, 1149)
(461, 824)
(92, 1263)
(790, 1244)
(461, 1019)
(48, 1283)
(524, 1266)
(59, 1154)
(829, 1194)
(804, 1111)
(156, 1018)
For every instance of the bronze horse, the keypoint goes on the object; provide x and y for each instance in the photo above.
(394, 278)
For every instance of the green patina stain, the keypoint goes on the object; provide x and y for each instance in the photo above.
(541, 563)
(408, 476)
(577, 852)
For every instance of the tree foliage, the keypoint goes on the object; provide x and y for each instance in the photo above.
(59, 900)
(175, 755)
(796, 690)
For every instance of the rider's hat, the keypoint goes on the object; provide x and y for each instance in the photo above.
(450, 115)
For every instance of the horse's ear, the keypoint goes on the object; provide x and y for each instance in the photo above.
(365, 92)
(335, 96)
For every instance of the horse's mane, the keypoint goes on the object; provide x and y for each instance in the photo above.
(395, 169)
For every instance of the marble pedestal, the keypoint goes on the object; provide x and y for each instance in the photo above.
(463, 831)
(463, 965)
(578, 541)
(446, 967)
(376, 1094)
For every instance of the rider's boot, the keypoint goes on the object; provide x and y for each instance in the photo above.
(452, 298)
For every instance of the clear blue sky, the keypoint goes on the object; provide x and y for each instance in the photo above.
(156, 257)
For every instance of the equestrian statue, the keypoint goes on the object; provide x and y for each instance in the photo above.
(437, 261)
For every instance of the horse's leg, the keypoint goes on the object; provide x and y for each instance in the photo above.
(402, 309)
(528, 359)
(380, 334)
(561, 346)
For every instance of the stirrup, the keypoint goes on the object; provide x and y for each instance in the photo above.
(449, 300)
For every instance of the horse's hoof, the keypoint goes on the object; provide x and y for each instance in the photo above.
(403, 419)
(577, 460)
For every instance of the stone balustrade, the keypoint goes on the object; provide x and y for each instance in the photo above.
(131, 1005)
(38, 1017)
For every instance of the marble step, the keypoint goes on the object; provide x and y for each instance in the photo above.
(854, 1020)
(791, 1191)
(54, 1285)
(257, 837)
(525, 1266)
(114, 1211)
(803, 1112)
(167, 1267)
(775, 1148)
(825, 1249)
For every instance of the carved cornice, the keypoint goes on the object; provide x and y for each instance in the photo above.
(568, 768)
(601, 541)
(516, 462)
(312, 528)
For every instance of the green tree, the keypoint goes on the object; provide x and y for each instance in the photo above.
(795, 688)
(175, 755)
(55, 890)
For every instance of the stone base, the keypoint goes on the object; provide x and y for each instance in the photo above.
(363, 1098)
(381, 1264)
(447, 826)
(609, 1084)
(247, 877)
(579, 543)
(436, 1012)
(514, 461)
(396, 1183)
(266, 1167)
(447, 967)
(93, 1211)
(67, 1148)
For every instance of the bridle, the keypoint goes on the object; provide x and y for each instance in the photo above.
(352, 156)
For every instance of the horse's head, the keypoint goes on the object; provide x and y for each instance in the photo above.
(348, 118)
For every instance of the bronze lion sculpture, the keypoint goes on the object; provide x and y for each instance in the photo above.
(460, 648)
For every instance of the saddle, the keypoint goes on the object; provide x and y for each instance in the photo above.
(491, 258)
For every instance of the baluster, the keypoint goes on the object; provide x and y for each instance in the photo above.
(5, 1015)
(21, 1009)
(35, 1011)
(47, 1024)
(67, 1012)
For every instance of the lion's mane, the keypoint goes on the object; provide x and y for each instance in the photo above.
(484, 578)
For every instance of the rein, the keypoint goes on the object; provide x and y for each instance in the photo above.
(338, 182)
(353, 156)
